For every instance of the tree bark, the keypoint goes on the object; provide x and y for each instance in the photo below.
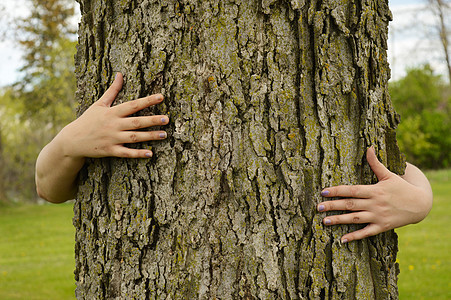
(440, 11)
(270, 101)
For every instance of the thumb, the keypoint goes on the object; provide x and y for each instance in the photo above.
(378, 168)
(110, 94)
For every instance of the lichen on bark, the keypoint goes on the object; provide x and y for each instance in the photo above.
(270, 101)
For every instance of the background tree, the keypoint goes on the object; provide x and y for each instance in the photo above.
(441, 9)
(424, 101)
(425, 29)
(47, 37)
(270, 101)
(36, 107)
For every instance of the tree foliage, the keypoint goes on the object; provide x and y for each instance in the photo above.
(47, 24)
(21, 139)
(48, 84)
(36, 107)
(423, 100)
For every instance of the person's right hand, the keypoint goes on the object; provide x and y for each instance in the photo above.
(102, 130)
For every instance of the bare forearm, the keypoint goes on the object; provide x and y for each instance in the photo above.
(416, 177)
(56, 173)
(101, 131)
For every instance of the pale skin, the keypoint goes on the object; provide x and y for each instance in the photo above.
(393, 202)
(103, 130)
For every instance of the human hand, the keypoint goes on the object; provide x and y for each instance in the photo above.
(103, 130)
(391, 203)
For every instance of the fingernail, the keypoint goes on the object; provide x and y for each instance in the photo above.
(115, 76)
(163, 135)
(344, 241)
(325, 193)
(149, 154)
(321, 208)
(327, 222)
(163, 120)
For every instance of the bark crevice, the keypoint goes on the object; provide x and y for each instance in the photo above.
(269, 102)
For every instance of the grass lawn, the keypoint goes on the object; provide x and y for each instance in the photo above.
(425, 248)
(36, 252)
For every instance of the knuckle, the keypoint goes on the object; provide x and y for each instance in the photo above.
(378, 192)
(133, 138)
(146, 101)
(133, 105)
(106, 112)
(123, 152)
(356, 220)
(349, 204)
(386, 226)
(136, 123)
(353, 191)
(383, 210)
(367, 233)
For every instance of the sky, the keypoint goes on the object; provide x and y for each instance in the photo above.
(413, 38)
(405, 48)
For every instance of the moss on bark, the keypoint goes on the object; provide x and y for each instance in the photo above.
(270, 101)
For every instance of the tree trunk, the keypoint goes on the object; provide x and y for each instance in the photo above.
(443, 31)
(270, 101)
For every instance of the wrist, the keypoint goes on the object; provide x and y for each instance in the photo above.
(67, 145)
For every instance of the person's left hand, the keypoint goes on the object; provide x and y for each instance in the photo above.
(392, 202)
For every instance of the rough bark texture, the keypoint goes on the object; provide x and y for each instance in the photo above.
(270, 101)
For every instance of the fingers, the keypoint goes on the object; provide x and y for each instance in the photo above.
(109, 96)
(128, 108)
(359, 202)
(351, 218)
(352, 191)
(124, 152)
(367, 231)
(355, 218)
(143, 122)
(130, 137)
(378, 168)
(344, 204)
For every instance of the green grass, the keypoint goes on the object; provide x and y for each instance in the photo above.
(425, 248)
(36, 252)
